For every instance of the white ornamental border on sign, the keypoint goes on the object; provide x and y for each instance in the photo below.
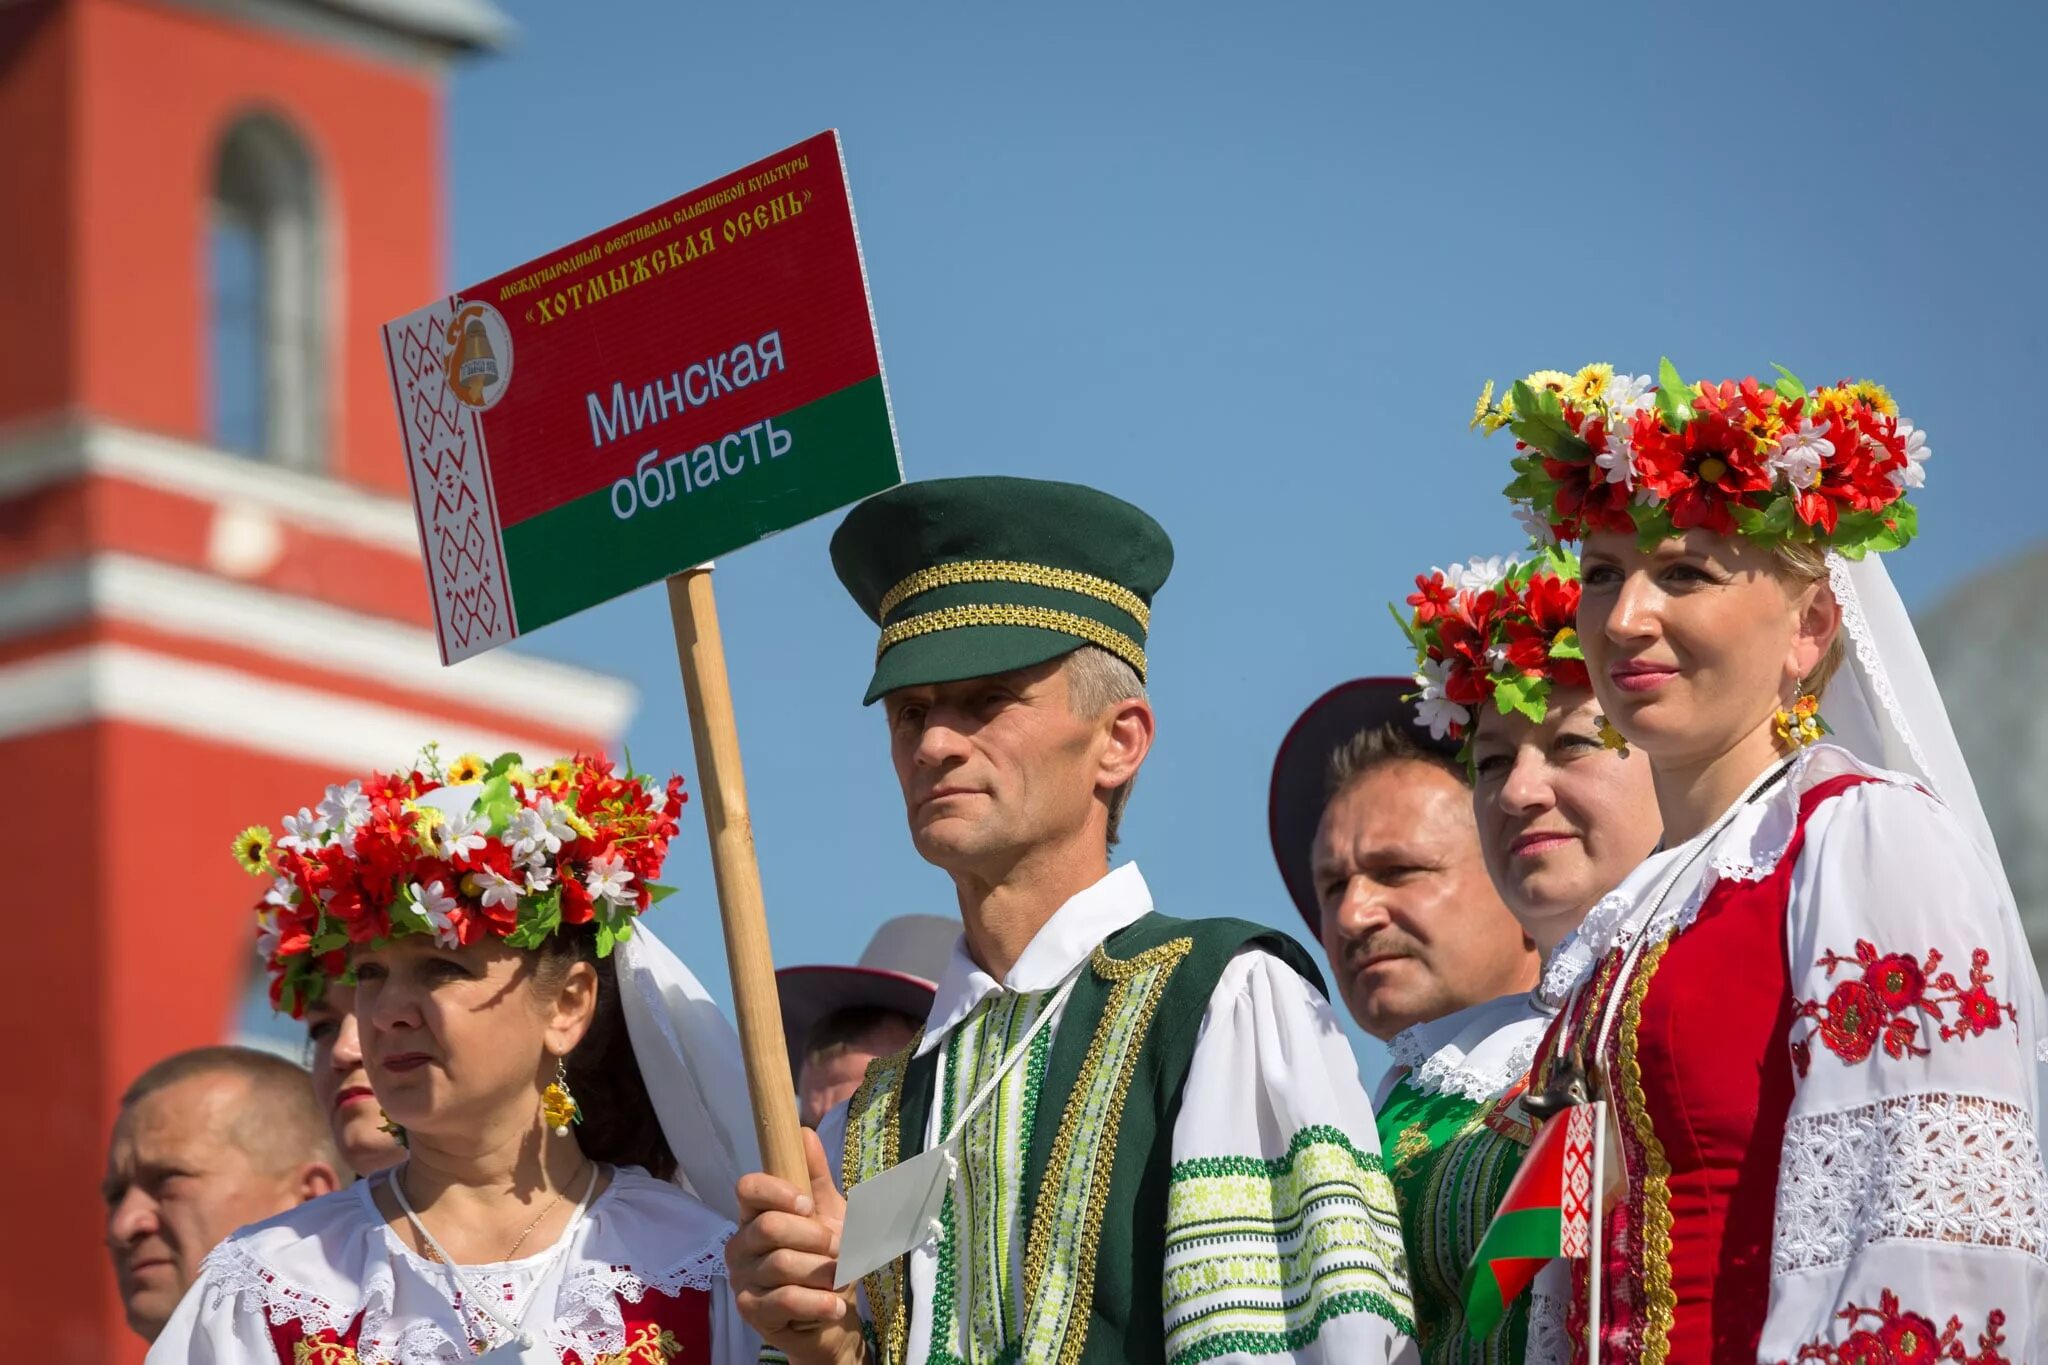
(447, 464)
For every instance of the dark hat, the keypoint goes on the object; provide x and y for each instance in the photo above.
(972, 577)
(1301, 773)
(898, 970)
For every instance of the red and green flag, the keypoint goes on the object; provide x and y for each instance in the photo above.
(1546, 1213)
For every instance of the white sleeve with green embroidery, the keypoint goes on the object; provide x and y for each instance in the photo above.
(1282, 1241)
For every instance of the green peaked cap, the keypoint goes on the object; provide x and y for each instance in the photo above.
(973, 577)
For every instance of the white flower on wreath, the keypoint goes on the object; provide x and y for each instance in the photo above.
(1913, 473)
(1534, 522)
(344, 808)
(268, 935)
(540, 879)
(1433, 708)
(1618, 462)
(1480, 575)
(456, 840)
(302, 832)
(434, 902)
(1798, 455)
(609, 879)
(539, 831)
(498, 889)
(1626, 395)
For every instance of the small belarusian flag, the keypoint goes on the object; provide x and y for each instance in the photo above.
(1546, 1213)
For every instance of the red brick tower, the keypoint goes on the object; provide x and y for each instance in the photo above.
(211, 601)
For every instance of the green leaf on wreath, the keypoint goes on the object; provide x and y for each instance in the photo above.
(1674, 395)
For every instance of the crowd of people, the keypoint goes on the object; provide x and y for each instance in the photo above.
(1667, 825)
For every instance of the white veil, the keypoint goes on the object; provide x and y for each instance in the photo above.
(689, 1057)
(1884, 707)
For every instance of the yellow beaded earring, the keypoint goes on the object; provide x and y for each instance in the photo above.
(1801, 725)
(393, 1127)
(1612, 738)
(558, 1108)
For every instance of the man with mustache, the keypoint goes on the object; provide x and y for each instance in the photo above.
(206, 1141)
(1162, 1147)
(1371, 821)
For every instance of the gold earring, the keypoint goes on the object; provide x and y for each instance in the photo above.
(1801, 725)
(557, 1106)
(1612, 738)
(393, 1127)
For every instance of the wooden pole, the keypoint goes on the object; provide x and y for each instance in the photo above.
(723, 789)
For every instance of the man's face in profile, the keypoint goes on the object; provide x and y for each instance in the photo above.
(178, 1182)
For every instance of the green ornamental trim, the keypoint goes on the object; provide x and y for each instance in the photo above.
(1296, 1338)
(1229, 1217)
(1318, 1134)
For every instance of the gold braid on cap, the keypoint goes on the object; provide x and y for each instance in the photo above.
(1015, 571)
(1044, 618)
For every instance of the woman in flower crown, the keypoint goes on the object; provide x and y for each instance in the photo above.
(341, 1082)
(571, 1102)
(1813, 1011)
(1563, 814)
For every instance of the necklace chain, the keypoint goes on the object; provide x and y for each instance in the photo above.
(432, 1253)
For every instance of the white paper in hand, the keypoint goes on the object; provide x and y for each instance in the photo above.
(894, 1212)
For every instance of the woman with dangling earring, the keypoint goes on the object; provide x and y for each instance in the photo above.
(1812, 1011)
(571, 1103)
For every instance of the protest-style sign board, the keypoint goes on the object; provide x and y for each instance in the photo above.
(673, 388)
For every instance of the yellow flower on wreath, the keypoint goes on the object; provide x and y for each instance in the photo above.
(1877, 395)
(468, 768)
(252, 850)
(1483, 407)
(1589, 385)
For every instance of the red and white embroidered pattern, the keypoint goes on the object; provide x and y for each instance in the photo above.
(458, 525)
(1576, 1232)
(1889, 1000)
(1888, 1335)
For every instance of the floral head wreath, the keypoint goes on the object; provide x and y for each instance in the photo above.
(1778, 464)
(478, 850)
(1496, 631)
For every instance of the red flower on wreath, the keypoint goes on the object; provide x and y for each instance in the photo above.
(1890, 1001)
(1432, 598)
(1891, 1335)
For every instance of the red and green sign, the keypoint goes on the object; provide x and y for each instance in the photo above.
(670, 389)
(1547, 1212)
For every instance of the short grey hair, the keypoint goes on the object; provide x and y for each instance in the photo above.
(279, 1124)
(1096, 681)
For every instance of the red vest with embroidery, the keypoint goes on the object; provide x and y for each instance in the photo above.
(660, 1329)
(1698, 1066)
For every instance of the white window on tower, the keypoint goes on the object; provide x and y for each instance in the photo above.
(267, 267)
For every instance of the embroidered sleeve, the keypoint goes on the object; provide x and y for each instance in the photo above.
(1912, 1205)
(1282, 1242)
(212, 1324)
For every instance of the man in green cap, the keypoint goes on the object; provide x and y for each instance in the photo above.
(1118, 1136)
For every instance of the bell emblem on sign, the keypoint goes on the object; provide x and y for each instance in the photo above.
(476, 365)
(479, 358)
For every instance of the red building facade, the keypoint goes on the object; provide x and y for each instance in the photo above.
(211, 600)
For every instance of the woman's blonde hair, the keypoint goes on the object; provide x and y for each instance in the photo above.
(1803, 565)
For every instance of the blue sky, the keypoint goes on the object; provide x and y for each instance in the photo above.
(1248, 266)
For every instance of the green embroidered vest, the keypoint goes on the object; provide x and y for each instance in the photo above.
(1100, 1140)
(1452, 1159)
